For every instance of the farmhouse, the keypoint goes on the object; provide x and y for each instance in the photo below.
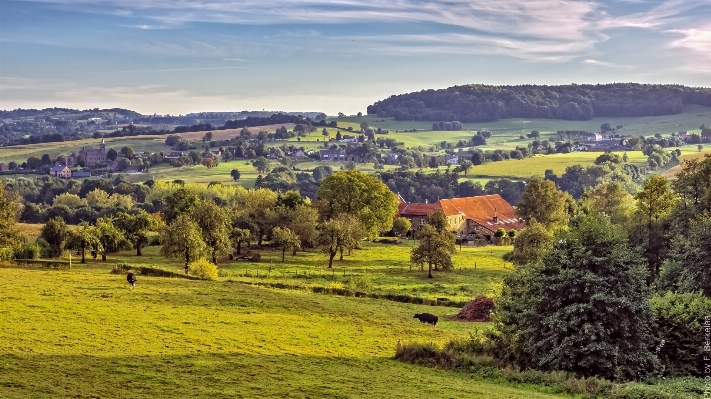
(4, 167)
(469, 218)
(60, 171)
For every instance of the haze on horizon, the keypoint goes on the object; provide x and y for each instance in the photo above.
(160, 56)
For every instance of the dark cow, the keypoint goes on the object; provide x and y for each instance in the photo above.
(131, 278)
(427, 318)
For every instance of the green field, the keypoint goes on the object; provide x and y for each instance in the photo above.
(82, 333)
(383, 268)
(506, 132)
(505, 136)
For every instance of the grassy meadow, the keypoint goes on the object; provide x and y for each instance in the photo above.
(82, 333)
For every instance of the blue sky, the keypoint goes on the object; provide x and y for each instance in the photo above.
(161, 56)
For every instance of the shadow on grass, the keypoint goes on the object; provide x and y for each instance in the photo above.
(234, 375)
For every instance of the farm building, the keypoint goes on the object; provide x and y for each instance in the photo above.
(470, 218)
(60, 171)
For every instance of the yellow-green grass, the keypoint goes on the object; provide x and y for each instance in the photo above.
(20, 153)
(508, 130)
(385, 268)
(32, 231)
(83, 333)
(672, 172)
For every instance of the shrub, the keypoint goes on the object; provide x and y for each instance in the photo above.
(203, 269)
(6, 254)
(678, 320)
(29, 251)
(361, 282)
(45, 248)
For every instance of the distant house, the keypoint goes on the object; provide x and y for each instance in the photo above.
(298, 154)
(4, 167)
(594, 137)
(174, 155)
(274, 153)
(452, 159)
(60, 171)
(80, 175)
(392, 158)
(331, 155)
(470, 217)
(604, 145)
(91, 156)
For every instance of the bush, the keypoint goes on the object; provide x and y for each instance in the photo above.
(29, 251)
(361, 282)
(679, 318)
(6, 254)
(203, 269)
(45, 249)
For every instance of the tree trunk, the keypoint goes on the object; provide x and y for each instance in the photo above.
(187, 258)
(139, 247)
(103, 256)
(341, 251)
(239, 247)
(83, 252)
(283, 252)
(331, 255)
(293, 252)
(429, 274)
(214, 258)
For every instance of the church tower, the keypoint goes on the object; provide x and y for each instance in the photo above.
(102, 146)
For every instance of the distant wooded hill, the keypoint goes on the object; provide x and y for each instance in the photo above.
(482, 103)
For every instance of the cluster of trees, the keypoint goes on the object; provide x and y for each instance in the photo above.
(421, 187)
(276, 119)
(611, 285)
(482, 103)
(194, 221)
(455, 125)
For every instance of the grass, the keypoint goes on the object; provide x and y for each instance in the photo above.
(83, 333)
(672, 172)
(505, 132)
(377, 268)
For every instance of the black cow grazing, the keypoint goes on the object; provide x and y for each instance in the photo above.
(427, 318)
(131, 278)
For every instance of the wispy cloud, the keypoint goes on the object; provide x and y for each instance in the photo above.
(603, 63)
(204, 44)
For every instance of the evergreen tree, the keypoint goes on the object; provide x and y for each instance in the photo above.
(583, 308)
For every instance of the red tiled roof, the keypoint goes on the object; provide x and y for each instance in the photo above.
(417, 209)
(482, 210)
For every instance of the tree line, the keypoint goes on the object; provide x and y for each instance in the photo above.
(484, 103)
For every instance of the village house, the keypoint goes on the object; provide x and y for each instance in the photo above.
(60, 171)
(331, 155)
(452, 159)
(4, 167)
(298, 154)
(470, 218)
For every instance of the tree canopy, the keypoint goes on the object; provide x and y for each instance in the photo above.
(363, 196)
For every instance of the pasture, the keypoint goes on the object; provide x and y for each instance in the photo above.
(83, 333)
(377, 268)
(506, 132)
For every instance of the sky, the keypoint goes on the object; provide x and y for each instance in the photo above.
(181, 56)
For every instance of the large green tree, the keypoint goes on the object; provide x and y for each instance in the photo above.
(111, 238)
(583, 308)
(541, 200)
(285, 239)
(182, 240)
(55, 232)
(530, 244)
(135, 227)
(358, 194)
(655, 202)
(83, 238)
(10, 236)
(342, 232)
(214, 223)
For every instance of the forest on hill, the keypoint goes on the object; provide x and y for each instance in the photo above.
(484, 103)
